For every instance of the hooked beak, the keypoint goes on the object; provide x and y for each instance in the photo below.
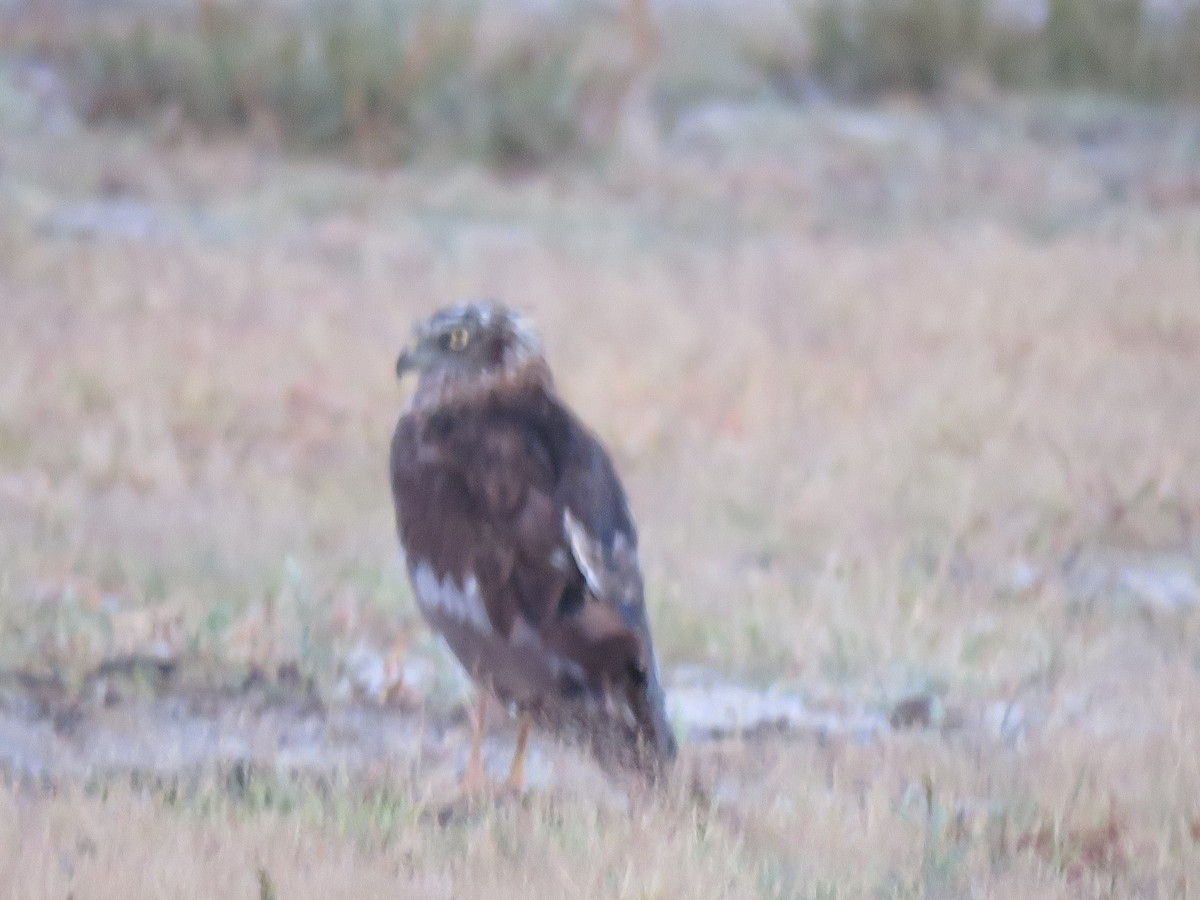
(413, 358)
(406, 363)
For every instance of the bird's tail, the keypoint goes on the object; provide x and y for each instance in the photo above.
(648, 703)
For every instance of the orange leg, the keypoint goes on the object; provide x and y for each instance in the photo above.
(395, 691)
(516, 772)
(475, 781)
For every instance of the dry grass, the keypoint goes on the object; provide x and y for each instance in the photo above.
(1123, 46)
(845, 446)
(391, 80)
(518, 86)
(915, 817)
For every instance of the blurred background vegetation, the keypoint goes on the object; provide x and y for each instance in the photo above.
(522, 84)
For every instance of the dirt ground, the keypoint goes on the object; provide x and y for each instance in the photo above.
(907, 400)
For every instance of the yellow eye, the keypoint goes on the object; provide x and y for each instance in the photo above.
(458, 339)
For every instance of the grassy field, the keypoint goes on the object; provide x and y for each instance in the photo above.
(907, 399)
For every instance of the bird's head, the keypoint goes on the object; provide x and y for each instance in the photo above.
(470, 349)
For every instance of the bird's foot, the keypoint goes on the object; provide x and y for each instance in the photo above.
(475, 795)
(475, 781)
(477, 790)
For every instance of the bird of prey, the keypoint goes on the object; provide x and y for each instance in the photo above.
(519, 543)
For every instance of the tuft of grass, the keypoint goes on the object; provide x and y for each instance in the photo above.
(1123, 47)
(266, 887)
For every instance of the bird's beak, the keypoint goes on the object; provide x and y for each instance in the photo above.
(415, 358)
(406, 362)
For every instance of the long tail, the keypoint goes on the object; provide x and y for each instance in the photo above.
(649, 706)
(625, 725)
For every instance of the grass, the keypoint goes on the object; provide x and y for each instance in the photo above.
(912, 820)
(1118, 46)
(393, 81)
(882, 412)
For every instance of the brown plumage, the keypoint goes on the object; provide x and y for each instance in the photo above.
(519, 541)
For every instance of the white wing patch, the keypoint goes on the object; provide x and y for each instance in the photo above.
(443, 595)
(617, 579)
(587, 553)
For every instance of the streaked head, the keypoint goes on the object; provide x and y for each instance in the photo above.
(469, 348)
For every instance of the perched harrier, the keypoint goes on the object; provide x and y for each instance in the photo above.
(519, 542)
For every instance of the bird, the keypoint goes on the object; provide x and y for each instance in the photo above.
(520, 545)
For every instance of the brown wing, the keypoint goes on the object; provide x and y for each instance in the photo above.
(599, 618)
(516, 477)
(475, 499)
